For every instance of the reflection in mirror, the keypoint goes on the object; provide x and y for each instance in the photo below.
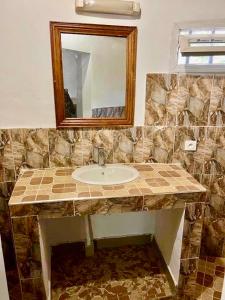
(94, 75)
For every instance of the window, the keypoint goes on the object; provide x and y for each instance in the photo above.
(200, 49)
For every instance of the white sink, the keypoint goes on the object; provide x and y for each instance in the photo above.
(106, 175)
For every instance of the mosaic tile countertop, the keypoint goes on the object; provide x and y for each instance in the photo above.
(56, 184)
(124, 273)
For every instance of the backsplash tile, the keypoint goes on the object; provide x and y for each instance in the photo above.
(192, 161)
(65, 148)
(104, 138)
(123, 145)
(179, 107)
(30, 148)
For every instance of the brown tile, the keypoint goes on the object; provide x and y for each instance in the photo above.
(29, 198)
(138, 145)
(123, 146)
(30, 148)
(107, 206)
(134, 192)
(193, 162)
(26, 174)
(158, 144)
(47, 180)
(7, 166)
(18, 191)
(64, 172)
(96, 194)
(128, 272)
(195, 91)
(155, 202)
(216, 107)
(33, 289)
(26, 241)
(104, 138)
(160, 97)
(84, 195)
(42, 197)
(194, 214)
(65, 148)
(49, 209)
(217, 295)
(214, 155)
(36, 181)
(187, 278)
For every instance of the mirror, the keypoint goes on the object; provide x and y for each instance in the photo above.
(94, 74)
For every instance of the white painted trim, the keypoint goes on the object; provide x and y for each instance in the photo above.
(200, 69)
(186, 40)
(4, 294)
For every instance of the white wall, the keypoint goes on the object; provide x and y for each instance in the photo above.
(4, 295)
(169, 226)
(68, 230)
(26, 90)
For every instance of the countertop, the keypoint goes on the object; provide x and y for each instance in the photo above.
(56, 185)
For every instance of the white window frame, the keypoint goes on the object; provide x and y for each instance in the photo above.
(174, 66)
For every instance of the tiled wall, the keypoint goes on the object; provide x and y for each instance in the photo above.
(178, 107)
(193, 107)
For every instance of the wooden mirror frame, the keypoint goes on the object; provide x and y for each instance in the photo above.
(128, 32)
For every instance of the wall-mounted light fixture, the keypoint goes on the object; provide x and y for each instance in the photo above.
(119, 7)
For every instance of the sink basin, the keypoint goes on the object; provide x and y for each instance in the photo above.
(106, 175)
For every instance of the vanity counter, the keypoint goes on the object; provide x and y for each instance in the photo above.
(56, 185)
(53, 193)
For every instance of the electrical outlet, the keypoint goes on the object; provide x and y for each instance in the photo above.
(190, 145)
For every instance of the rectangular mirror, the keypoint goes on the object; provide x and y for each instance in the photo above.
(94, 74)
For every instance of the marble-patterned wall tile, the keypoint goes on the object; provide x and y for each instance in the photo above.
(158, 144)
(45, 210)
(162, 202)
(104, 138)
(123, 145)
(108, 206)
(215, 151)
(138, 144)
(87, 146)
(197, 91)
(187, 279)
(13, 282)
(192, 232)
(161, 92)
(33, 289)
(217, 102)
(7, 242)
(65, 148)
(213, 236)
(98, 138)
(192, 161)
(5, 227)
(7, 166)
(5, 192)
(26, 241)
(30, 148)
(216, 186)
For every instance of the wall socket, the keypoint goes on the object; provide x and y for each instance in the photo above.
(190, 145)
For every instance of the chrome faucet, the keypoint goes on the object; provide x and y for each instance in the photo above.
(99, 155)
